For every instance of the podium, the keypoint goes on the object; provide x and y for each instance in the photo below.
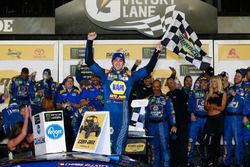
(49, 134)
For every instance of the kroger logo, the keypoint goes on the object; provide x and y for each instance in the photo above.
(54, 131)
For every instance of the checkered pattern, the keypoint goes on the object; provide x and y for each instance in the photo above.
(154, 26)
(182, 40)
(138, 117)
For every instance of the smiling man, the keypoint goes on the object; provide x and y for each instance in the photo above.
(117, 84)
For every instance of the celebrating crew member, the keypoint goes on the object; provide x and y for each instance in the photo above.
(159, 113)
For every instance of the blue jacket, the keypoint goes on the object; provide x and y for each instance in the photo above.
(22, 91)
(11, 116)
(159, 109)
(196, 102)
(235, 103)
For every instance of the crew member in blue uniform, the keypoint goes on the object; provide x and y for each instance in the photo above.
(159, 115)
(93, 94)
(22, 90)
(69, 101)
(233, 128)
(198, 118)
(117, 84)
(47, 83)
(11, 116)
(246, 129)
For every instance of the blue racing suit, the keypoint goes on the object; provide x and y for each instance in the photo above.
(196, 107)
(1, 99)
(246, 132)
(233, 126)
(22, 91)
(117, 86)
(66, 96)
(94, 95)
(159, 113)
(49, 87)
(11, 116)
(72, 96)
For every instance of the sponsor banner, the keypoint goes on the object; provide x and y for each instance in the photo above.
(136, 146)
(55, 116)
(27, 25)
(76, 51)
(147, 17)
(135, 50)
(230, 55)
(5, 79)
(234, 52)
(187, 69)
(48, 130)
(94, 133)
(26, 52)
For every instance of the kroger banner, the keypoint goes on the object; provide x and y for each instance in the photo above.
(147, 17)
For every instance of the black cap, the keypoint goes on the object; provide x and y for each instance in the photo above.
(242, 71)
(209, 71)
(248, 69)
(25, 70)
(224, 74)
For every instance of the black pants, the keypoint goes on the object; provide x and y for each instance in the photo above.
(69, 134)
(212, 134)
(179, 147)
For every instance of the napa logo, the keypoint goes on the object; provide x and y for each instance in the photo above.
(118, 87)
(54, 131)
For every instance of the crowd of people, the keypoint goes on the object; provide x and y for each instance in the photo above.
(188, 117)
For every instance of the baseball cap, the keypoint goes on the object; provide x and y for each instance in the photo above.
(224, 74)
(203, 79)
(248, 69)
(46, 70)
(242, 71)
(115, 55)
(209, 71)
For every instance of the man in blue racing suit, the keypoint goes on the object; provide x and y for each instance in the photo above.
(159, 114)
(246, 119)
(22, 90)
(233, 128)
(47, 84)
(198, 117)
(117, 84)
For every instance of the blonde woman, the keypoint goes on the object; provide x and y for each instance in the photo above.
(214, 104)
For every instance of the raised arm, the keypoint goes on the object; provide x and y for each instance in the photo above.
(12, 143)
(89, 60)
(152, 62)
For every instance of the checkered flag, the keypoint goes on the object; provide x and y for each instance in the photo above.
(182, 40)
(138, 117)
(154, 26)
